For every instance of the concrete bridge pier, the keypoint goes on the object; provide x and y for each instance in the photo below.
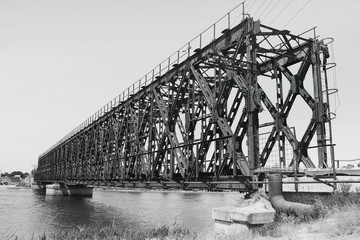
(80, 190)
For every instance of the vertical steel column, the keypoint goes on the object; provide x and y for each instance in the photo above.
(252, 99)
(189, 136)
(202, 154)
(279, 106)
(151, 140)
(319, 101)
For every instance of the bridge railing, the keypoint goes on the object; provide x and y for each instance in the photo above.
(228, 21)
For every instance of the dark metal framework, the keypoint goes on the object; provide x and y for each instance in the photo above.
(201, 120)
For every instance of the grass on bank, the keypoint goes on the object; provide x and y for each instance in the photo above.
(333, 216)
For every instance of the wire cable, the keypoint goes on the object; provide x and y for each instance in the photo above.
(259, 8)
(296, 14)
(287, 5)
(252, 5)
(271, 10)
(247, 3)
(265, 9)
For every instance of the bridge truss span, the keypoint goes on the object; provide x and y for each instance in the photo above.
(205, 119)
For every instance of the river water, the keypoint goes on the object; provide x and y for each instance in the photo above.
(24, 212)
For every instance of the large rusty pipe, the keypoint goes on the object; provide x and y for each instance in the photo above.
(277, 199)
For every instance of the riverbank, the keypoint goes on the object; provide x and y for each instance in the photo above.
(333, 217)
(341, 224)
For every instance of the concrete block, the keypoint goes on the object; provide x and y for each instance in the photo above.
(257, 210)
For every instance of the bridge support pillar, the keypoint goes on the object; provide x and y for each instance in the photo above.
(69, 190)
(79, 190)
(53, 189)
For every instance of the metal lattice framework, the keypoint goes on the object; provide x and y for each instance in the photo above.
(201, 120)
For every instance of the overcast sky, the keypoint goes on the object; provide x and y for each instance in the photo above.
(61, 61)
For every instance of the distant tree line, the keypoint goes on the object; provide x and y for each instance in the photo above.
(14, 173)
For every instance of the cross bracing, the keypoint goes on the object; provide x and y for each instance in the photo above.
(201, 120)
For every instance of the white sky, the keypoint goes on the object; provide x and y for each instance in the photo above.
(61, 61)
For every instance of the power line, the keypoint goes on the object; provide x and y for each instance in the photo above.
(247, 3)
(259, 8)
(265, 9)
(296, 14)
(271, 10)
(252, 5)
(281, 11)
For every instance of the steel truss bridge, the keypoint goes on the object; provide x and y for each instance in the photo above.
(213, 117)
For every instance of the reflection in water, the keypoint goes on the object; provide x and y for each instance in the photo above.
(24, 211)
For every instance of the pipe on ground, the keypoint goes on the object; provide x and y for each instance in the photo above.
(277, 199)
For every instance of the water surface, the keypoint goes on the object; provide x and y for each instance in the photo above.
(25, 212)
